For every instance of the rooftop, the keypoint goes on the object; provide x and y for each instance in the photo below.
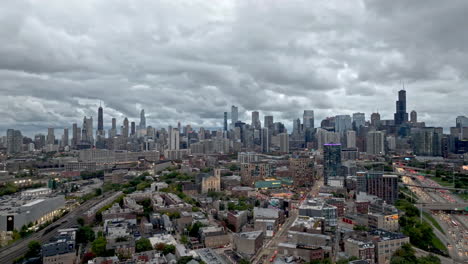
(250, 235)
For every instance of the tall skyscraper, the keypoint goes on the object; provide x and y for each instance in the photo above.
(50, 136)
(308, 119)
(297, 128)
(125, 128)
(113, 129)
(256, 124)
(65, 137)
(100, 126)
(132, 128)
(331, 161)
(461, 121)
(175, 139)
(39, 141)
(268, 122)
(14, 141)
(414, 117)
(342, 123)
(87, 130)
(266, 139)
(375, 119)
(225, 124)
(284, 142)
(401, 116)
(376, 143)
(234, 115)
(142, 119)
(359, 120)
(100, 132)
(75, 138)
(350, 139)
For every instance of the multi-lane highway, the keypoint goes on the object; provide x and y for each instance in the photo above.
(9, 253)
(455, 229)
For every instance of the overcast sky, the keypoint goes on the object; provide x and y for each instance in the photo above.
(191, 60)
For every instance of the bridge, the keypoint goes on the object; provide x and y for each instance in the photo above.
(443, 206)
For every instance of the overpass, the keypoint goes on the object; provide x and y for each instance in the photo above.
(443, 206)
(435, 188)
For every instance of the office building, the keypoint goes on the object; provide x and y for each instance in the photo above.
(225, 124)
(50, 136)
(331, 161)
(284, 142)
(350, 139)
(308, 119)
(132, 128)
(256, 124)
(39, 141)
(234, 115)
(297, 127)
(268, 122)
(359, 120)
(427, 141)
(265, 139)
(14, 141)
(413, 117)
(65, 137)
(87, 130)
(174, 143)
(376, 143)
(401, 116)
(342, 123)
(100, 127)
(142, 120)
(125, 128)
(375, 119)
(380, 185)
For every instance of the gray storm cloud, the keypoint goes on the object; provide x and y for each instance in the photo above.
(189, 61)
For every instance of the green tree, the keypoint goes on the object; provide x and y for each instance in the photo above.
(80, 221)
(193, 229)
(34, 248)
(85, 234)
(169, 249)
(143, 244)
(99, 247)
(98, 191)
(184, 260)
(244, 261)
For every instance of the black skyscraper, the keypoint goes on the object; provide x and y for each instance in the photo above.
(401, 116)
(100, 120)
(225, 121)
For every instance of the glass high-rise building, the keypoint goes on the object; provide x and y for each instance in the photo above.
(331, 161)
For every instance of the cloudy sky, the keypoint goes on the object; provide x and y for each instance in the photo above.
(191, 60)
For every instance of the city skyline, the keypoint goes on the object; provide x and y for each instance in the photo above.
(331, 57)
(106, 124)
